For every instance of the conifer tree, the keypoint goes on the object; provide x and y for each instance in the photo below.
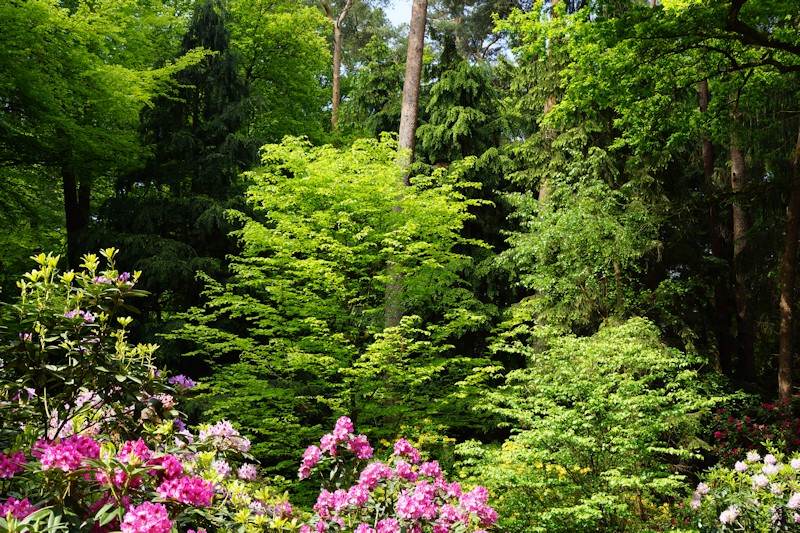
(168, 217)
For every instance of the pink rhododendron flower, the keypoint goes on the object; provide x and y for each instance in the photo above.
(430, 469)
(11, 464)
(364, 528)
(360, 447)
(167, 401)
(794, 501)
(328, 444)
(189, 490)
(373, 473)
(388, 525)
(146, 518)
(19, 509)
(404, 449)
(134, 452)
(729, 515)
(247, 472)
(487, 515)
(222, 468)
(473, 499)
(171, 467)
(224, 436)
(759, 481)
(310, 459)
(66, 454)
(405, 471)
(357, 495)
(342, 429)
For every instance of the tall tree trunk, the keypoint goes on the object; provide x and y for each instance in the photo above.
(788, 275)
(741, 226)
(413, 79)
(76, 211)
(549, 132)
(406, 138)
(336, 97)
(723, 310)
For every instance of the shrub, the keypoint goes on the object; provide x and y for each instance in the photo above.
(76, 457)
(756, 494)
(604, 431)
(738, 429)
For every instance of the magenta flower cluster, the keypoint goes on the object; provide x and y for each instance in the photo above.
(188, 490)
(11, 463)
(67, 454)
(19, 509)
(342, 437)
(411, 495)
(146, 518)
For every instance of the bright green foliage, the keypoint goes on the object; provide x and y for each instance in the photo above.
(298, 330)
(283, 55)
(603, 426)
(73, 80)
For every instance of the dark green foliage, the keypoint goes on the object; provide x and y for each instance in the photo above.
(169, 216)
(373, 103)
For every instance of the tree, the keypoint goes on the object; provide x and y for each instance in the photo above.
(337, 21)
(623, 119)
(412, 80)
(282, 53)
(298, 328)
(168, 216)
(74, 81)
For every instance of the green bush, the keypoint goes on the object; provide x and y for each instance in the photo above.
(604, 431)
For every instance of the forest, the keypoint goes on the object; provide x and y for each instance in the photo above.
(532, 264)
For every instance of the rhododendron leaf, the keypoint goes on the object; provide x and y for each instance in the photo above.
(107, 513)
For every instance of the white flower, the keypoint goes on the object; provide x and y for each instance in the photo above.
(740, 466)
(753, 456)
(795, 464)
(729, 515)
(770, 459)
(702, 489)
(759, 481)
(794, 501)
(771, 469)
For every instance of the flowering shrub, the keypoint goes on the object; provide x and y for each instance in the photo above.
(77, 457)
(401, 494)
(756, 494)
(91, 440)
(737, 430)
